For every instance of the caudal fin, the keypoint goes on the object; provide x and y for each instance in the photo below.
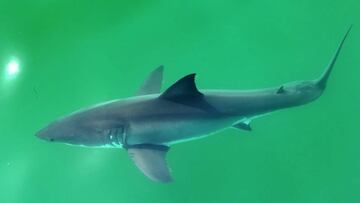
(321, 82)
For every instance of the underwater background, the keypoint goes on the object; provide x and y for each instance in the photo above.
(59, 56)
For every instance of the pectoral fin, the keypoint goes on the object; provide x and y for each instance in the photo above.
(151, 160)
(152, 84)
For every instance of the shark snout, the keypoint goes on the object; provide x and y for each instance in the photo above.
(59, 131)
(52, 132)
(43, 134)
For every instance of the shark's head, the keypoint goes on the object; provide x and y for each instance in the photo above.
(79, 130)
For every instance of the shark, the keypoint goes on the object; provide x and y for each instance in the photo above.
(147, 124)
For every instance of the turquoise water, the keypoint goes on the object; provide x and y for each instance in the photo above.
(59, 56)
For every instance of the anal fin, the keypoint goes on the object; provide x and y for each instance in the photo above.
(243, 126)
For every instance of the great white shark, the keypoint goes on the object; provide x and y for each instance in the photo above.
(146, 125)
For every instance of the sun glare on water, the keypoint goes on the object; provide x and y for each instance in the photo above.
(13, 68)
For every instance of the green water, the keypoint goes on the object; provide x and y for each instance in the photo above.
(75, 54)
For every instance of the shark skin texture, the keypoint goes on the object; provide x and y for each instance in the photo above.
(147, 124)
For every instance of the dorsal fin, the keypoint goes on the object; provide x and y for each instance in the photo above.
(183, 88)
(152, 84)
(184, 91)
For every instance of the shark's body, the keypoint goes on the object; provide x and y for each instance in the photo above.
(147, 124)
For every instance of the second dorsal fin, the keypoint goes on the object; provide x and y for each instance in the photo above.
(184, 88)
(281, 90)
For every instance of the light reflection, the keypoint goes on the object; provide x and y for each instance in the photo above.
(12, 68)
(9, 72)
